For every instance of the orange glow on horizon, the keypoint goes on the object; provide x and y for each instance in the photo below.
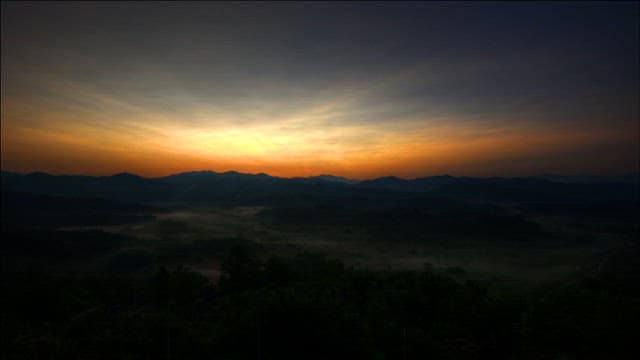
(350, 151)
(223, 87)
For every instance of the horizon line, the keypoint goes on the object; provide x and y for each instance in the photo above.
(637, 173)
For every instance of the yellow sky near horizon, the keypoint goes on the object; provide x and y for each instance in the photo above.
(386, 89)
(302, 145)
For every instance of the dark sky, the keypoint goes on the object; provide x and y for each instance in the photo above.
(355, 89)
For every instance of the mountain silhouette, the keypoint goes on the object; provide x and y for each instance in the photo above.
(233, 186)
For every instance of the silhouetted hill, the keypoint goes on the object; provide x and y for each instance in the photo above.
(625, 178)
(201, 186)
(387, 182)
(120, 186)
(34, 210)
(232, 186)
(515, 189)
(125, 179)
(9, 174)
(188, 176)
(333, 178)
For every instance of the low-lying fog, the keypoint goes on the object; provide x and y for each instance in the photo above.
(200, 238)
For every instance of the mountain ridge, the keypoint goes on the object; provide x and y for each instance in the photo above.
(238, 188)
(626, 177)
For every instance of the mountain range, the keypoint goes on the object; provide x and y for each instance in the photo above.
(232, 186)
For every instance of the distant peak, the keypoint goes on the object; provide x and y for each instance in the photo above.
(333, 178)
(125, 175)
(196, 172)
(388, 178)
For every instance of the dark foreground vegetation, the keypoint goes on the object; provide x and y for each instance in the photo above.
(309, 307)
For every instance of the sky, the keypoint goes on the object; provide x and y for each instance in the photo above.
(299, 89)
